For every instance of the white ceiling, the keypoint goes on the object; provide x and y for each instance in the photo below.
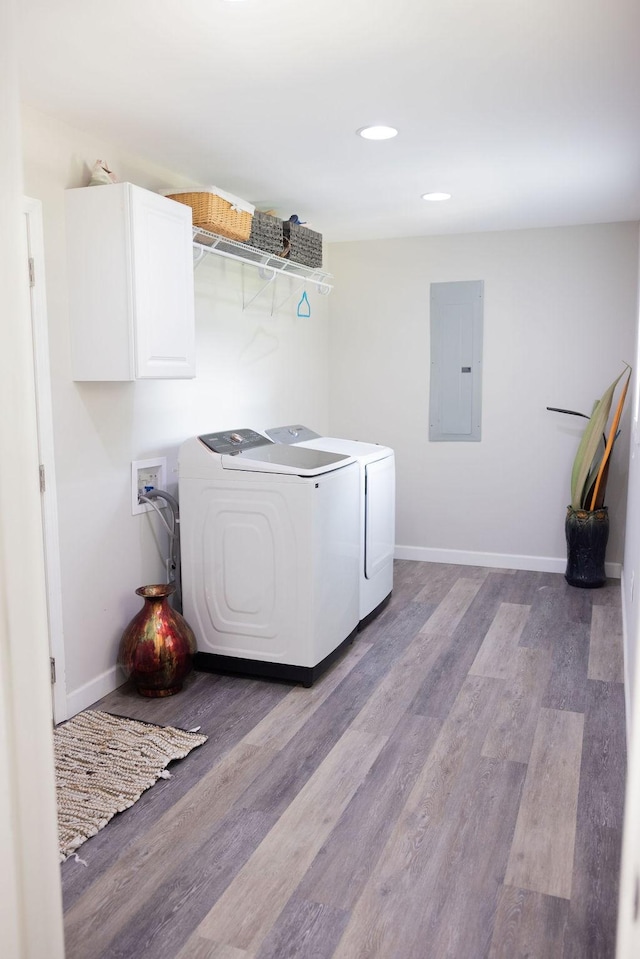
(527, 111)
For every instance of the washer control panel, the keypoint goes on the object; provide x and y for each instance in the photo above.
(234, 441)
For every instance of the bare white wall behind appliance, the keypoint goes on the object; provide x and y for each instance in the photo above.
(559, 320)
(252, 369)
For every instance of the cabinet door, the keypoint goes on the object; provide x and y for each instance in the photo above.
(162, 286)
(98, 269)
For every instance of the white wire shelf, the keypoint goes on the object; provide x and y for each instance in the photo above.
(269, 265)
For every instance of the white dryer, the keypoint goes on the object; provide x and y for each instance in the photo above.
(269, 548)
(376, 510)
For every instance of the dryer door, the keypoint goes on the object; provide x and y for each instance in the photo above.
(380, 511)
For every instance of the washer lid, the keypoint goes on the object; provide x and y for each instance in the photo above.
(364, 452)
(292, 434)
(278, 458)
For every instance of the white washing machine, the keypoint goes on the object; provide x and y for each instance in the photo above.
(269, 547)
(377, 510)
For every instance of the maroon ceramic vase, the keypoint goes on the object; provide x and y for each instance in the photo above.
(157, 647)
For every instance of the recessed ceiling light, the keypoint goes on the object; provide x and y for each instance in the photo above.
(377, 133)
(435, 197)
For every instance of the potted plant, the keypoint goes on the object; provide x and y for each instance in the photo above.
(587, 520)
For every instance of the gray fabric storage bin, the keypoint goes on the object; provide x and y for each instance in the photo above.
(266, 233)
(304, 245)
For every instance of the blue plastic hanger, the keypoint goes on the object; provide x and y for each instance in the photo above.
(304, 307)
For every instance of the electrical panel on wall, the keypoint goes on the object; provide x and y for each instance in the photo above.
(455, 404)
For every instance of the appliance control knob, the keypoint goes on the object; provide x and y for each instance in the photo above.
(235, 438)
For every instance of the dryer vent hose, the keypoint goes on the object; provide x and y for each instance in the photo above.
(174, 570)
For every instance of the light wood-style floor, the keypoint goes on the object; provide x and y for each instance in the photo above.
(452, 787)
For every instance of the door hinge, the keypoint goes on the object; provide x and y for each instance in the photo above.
(53, 670)
(32, 272)
(43, 482)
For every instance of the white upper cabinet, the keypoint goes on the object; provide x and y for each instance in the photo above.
(131, 299)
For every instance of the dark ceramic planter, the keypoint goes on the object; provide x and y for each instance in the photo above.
(587, 532)
(157, 647)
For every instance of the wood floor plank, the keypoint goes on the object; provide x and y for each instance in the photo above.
(444, 680)
(556, 606)
(249, 908)
(430, 875)
(226, 713)
(541, 857)
(605, 645)
(591, 925)
(521, 587)
(304, 929)
(469, 879)
(282, 723)
(513, 728)
(594, 896)
(608, 595)
(529, 925)
(115, 897)
(396, 624)
(452, 608)
(344, 863)
(602, 774)
(438, 579)
(420, 842)
(394, 694)
(568, 681)
(279, 784)
(167, 918)
(197, 948)
(495, 656)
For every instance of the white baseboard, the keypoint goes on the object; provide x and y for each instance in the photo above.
(459, 557)
(94, 690)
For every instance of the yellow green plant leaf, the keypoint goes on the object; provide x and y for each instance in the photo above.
(589, 443)
(610, 440)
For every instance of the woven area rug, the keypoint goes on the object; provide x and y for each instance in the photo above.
(103, 765)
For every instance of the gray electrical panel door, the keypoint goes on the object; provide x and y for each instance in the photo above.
(456, 361)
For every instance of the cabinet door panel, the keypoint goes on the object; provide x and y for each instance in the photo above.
(163, 287)
(98, 266)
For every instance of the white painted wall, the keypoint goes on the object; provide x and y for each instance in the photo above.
(628, 942)
(559, 319)
(631, 570)
(253, 370)
(30, 899)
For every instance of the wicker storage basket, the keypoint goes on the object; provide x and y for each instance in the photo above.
(266, 233)
(211, 212)
(304, 245)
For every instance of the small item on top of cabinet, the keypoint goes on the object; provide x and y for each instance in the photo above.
(101, 174)
(217, 211)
